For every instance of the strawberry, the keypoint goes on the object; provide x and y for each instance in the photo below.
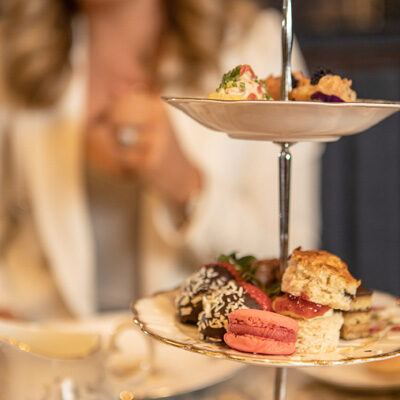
(259, 296)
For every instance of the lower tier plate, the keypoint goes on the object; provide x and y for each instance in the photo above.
(156, 316)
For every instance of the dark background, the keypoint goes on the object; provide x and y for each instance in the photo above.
(359, 39)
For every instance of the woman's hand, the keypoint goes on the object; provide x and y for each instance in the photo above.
(155, 156)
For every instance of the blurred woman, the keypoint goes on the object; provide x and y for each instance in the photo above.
(100, 177)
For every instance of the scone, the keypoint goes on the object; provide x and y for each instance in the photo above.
(320, 277)
(319, 326)
(357, 321)
(319, 335)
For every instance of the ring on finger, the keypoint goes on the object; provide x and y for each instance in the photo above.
(127, 136)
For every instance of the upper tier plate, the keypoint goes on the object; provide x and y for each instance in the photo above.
(285, 121)
(156, 316)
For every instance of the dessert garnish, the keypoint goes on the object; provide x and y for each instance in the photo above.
(261, 273)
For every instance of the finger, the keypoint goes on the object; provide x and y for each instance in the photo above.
(141, 108)
(133, 162)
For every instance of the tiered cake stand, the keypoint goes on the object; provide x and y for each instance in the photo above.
(284, 123)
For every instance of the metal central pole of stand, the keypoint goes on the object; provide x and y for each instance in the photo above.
(284, 198)
(285, 159)
(280, 384)
(284, 172)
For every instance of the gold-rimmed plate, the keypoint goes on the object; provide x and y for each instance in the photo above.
(285, 121)
(156, 316)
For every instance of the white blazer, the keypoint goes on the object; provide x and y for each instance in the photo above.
(50, 268)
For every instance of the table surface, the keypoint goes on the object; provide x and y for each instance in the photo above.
(256, 383)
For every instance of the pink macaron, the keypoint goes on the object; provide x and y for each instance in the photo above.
(263, 332)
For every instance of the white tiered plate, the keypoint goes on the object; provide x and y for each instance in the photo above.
(285, 121)
(156, 316)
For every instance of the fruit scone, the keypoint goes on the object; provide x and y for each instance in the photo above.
(317, 287)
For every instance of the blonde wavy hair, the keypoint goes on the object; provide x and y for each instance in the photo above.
(37, 38)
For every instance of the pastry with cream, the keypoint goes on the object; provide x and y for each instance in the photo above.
(324, 86)
(241, 83)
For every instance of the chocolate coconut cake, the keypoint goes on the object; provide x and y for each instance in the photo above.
(213, 320)
(209, 278)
